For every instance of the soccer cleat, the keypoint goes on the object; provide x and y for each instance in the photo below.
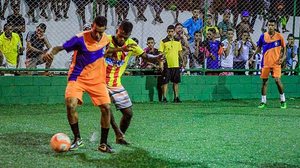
(122, 141)
(105, 148)
(177, 100)
(76, 144)
(283, 105)
(262, 105)
(165, 100)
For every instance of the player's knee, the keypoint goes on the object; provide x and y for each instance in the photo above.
(128, 113)
(105, 108)
(277, 80)
(71, 106)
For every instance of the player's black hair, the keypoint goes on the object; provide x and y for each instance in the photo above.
(171, 27)
(126, 26)
(272, 21)
(135, 39)
(198, 31)
(43, 26)
(290, 35)
(6, 25)
(212, 30)
(100, 21)
(230, 29)
(178, 24)
(150, 38)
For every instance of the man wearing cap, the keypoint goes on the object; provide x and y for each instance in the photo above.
(244, 25)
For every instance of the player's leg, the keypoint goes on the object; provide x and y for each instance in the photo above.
(115, 126)
(164, 82)
(264, 76)
(175, 79)
(105, 124)
(73, 97)
(123, 103)
(126, 119)
(277, 75)
(100, 97)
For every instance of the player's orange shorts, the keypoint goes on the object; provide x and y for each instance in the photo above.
(98, 92)
(265, 72)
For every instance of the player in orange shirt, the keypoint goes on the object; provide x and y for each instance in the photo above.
(274, 51)
(87, 73)
(120, 49)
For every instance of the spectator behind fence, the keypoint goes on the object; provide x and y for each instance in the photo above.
(37, 44)
(5, 6)
(32, 7)
(182, 36)
(193, 24)
(150, 49)
(198, 51)
(209, 25)
(244, 25)
(17, 21)
(171, 48)
(213, 45)
(225, 24)
(246, 46)
(230, 50)
(291, 54)
(10, 46)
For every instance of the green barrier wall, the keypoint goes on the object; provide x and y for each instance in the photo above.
(50, 90)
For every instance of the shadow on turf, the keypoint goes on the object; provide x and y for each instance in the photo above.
(31, 141)
(134, 157)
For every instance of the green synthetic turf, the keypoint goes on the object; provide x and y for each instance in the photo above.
(217, 134)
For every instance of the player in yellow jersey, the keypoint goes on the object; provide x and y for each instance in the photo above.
(119, 50)
(274, 51)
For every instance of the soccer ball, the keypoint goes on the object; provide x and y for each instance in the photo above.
(60, 142)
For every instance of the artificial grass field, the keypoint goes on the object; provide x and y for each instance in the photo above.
(233, 133)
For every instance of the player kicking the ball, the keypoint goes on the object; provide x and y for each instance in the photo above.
(120, 49)
(87, 74)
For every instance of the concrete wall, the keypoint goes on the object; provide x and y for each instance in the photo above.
(50, 90)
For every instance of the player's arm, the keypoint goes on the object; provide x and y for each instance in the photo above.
(47, 43)
(258, 50)
(49, 56)
(31, 48)
(282, 55)
(125, 48)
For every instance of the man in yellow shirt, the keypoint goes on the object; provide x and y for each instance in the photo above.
(171, 48)
(10, 46)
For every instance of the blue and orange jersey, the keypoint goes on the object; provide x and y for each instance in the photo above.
(116, 65)
(88, 63)
(271, 46)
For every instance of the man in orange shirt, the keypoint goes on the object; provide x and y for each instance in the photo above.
(87, 74)
(274, 51)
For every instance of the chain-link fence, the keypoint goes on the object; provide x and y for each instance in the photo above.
(204, 29)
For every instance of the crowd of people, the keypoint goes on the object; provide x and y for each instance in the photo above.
(205, 43)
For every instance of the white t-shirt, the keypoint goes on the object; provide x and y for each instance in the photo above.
(244, 52)
(227, 61)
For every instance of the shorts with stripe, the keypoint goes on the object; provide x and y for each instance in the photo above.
(119, 97)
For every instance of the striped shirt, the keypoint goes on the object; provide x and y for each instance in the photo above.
(116, 65)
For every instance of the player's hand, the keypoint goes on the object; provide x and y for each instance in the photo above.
(212, 57)
(129, 47)
(48, 56)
